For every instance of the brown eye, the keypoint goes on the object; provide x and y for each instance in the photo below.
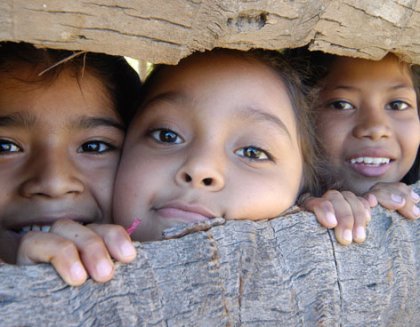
(397, 105)
(96, 147)
(8, 147)
(253, 153)
(341, 105)
(166, 136)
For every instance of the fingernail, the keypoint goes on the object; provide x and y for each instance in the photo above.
(360, 233)
(347, 235)
(415, 196)
(396, 198)
(416, 211)
(77, 271)
(331, 219)
(127, 249)
(104, 269)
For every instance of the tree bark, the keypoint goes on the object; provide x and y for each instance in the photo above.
(287, 271)
(162, 31)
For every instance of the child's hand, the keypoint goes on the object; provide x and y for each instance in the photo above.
(77, 251)
(344, 211)
(397, 196)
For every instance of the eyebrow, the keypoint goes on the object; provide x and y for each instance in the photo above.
(18, 119)
(170, 96)
(263, 116)
(87, 122)
(354, 88)
(28, 120)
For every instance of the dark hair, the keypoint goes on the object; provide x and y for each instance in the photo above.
(294, 87)
(313, 67)
(119, 78)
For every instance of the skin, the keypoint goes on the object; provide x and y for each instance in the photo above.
(367, 109)
(216, 138)
(59, 151)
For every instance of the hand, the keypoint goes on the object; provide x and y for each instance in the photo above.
(347, 213)
(397, 196)
(77, 251)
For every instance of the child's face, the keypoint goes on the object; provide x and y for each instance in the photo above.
(59, 149)
(216, 138)
(368, 121)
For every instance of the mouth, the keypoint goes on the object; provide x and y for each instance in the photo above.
(370, 166)
(37, 228)
(184, 213)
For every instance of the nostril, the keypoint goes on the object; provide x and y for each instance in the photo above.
(187, 178)
(207, 181)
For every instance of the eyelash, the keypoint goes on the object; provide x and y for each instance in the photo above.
(156, 134)
(9, 145)
(333, 105)
(108, 147)
(268, 156)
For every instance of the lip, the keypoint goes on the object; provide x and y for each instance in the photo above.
(371, 170)
(184, 212)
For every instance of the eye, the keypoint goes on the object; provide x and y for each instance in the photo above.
(166, 136)
(341, 105)
(96, 147)
(8, 147)
(398, 105)
(253, 153)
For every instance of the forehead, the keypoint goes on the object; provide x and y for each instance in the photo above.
(389, 69)
(213, 77)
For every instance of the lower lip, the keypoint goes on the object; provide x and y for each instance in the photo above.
(370, 170)
(181, 216)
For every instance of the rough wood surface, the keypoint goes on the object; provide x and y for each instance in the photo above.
(163, 31)
(284, 272)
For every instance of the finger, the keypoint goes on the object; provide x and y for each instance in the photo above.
(92, 250)
(37, 247)
(117, 241)
(361, 215)
(323, 210)
(392, 196)
(345, 218)
(410, 210)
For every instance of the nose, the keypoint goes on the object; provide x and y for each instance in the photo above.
(201, 172)
(51, 175)
(372, 123)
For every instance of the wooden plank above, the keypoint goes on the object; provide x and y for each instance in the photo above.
(162, 31)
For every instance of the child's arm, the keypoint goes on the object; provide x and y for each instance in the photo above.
(344, 211)
(77, 251)
(397, 196)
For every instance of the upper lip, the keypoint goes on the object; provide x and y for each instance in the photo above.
(190, 207)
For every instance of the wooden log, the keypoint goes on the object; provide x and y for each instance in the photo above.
(287, 271)
(162, 31)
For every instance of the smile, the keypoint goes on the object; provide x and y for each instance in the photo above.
(370, 161)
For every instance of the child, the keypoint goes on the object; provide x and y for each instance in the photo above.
(222, 134)
(61, 131)
(368, 122)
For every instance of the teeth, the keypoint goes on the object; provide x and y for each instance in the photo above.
(36, 228)
(370, 161)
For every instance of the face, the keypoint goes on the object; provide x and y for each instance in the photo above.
(368, 121)
(216, 138)
(59, 149)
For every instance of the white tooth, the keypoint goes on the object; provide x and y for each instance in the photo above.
(359, 160)
(45, 228)
(376, 161)
(368, 160)
(26, 229)
(36, 228)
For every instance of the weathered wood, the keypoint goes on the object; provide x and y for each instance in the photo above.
(284, 272)
(162, 31)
